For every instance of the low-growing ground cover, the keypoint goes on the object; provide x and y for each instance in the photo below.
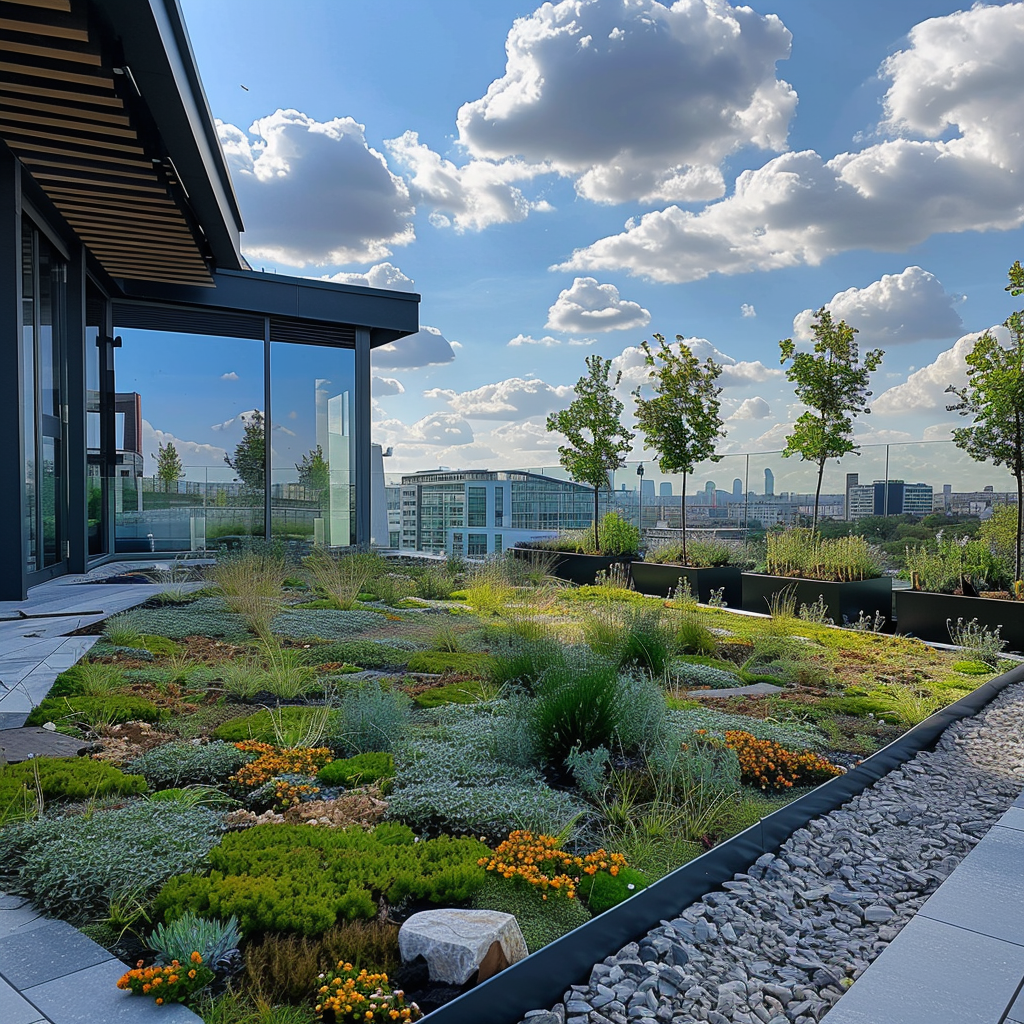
(310, 755)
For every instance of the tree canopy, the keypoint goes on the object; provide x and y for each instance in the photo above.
(682, 422)
(597, 440)
(832, 382)
(249, 460)
(169, 469)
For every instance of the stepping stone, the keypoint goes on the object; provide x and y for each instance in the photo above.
(457, 944)
(754, 690)
(21, 744)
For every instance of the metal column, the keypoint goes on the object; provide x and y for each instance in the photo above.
(361, 430)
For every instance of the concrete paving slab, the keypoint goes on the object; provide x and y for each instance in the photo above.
(14, 1009)
(754, 690)
(1016, 1013)
(986, 891)
(19, 917)
(1013, 818)
(52, 950)
(91, 996)
(934, 972)
(21, 744)
(1019, 802)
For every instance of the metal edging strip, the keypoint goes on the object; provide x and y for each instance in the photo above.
(542, 978)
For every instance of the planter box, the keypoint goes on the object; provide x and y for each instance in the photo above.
(923, 614)
(579, 569)
(659, 578)
(849, 599)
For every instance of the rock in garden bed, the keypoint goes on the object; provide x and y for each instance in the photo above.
(780, 943)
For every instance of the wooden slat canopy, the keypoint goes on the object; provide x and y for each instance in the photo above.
(63, 115)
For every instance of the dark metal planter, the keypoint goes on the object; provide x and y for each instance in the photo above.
(659, 578)
(841, 599)
(924, 614)
(579, 569)
(541, 979)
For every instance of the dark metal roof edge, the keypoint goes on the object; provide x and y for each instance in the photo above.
(315, 282)
(541, 979)
(157, 49)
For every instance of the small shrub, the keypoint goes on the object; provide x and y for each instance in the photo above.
(174, 983)
(589, 770)
(694, 636)
(348, 994)
(364, 653)
(361, 770)
(87, 679)
(981, 643)
(287, 965)
(602, 890)
(76, 866)
(184, 764)
(371, 717)
(695, 676)
(768, 765)
(94, 711)
(340, 579)
(799, 552)
(297, 879)
(575, 707)
(187, 934)
(524, 661)
(816, 612)
(122, 630)
(435, 583)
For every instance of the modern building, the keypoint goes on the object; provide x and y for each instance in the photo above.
(478, 512)
(120, 233)
(769, 483)
(888, 498)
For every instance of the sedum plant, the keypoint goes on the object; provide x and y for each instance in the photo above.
(188, 934)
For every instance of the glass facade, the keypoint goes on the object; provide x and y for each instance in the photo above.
(43, 316)
(312, 491)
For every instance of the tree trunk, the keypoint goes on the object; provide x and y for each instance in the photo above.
(597, 540)
(682, 517)
(817, 493)
(1020, 523)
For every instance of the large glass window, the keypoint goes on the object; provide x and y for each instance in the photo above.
(312, 400)
(44, 303)
(476, 506)
(190, 459)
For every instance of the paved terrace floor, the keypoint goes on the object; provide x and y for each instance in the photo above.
(34, 645)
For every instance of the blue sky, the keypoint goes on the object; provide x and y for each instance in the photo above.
(634, 167)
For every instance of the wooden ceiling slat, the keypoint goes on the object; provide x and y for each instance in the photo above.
(117, 147)
(34, 71)
(126, 255)
(119, 212)
(87, 173)
(59, 122)
(97, 188)
(174, 240)
(40, 28)
(24, 146)
(51, 53)
(52, 5)
(80, 113)
(173, 233)
(61, 94)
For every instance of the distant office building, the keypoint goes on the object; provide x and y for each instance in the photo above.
(710, 493)
(769, 483)
(479, 512)
(665, 489)
(892, 498)
(647, 488)
(737, 489)
(852, 480)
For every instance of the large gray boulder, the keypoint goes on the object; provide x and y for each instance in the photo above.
(457, 944)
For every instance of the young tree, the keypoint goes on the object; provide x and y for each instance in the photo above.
(681, 422)
(314, 472)
(994, 396)
(169, 469)
(833, 383)
(249, 461)
(597, 439)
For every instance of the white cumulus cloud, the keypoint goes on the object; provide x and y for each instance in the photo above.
(755, 408)
(191, 453)
(314, 192)
(897, 308)
(701, 72)
(589, 306)
(747, 310)
(471, 197)
(735, 373)
(240, 420)
(514, 398)
(383, 387)
(957, 87)
(381, 275)
(230, 375)
(427, 347)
